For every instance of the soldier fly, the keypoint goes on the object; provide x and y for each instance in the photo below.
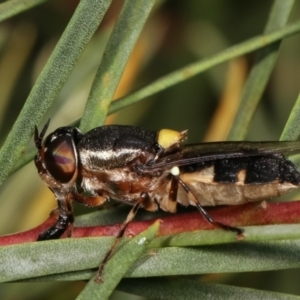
(153, 169)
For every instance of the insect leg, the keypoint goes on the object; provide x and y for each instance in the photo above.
(144, 197)
(173, 189)
(171, 205)
(237, 230)
(64, 222)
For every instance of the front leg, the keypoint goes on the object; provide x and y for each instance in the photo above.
(64, 222)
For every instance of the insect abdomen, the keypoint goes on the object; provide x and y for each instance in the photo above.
(248, 170)
(239, 180)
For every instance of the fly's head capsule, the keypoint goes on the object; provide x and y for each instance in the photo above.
(57, 157)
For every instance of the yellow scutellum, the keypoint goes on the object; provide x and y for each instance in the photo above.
(167, 137)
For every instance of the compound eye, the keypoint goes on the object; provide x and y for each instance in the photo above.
(60, 158)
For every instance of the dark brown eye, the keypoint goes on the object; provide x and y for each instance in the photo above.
(60, 158)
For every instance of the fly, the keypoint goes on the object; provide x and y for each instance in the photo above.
(153, 169)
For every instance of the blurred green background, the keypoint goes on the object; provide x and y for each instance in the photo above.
(176, 34)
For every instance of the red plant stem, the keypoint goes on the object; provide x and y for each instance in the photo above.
(240, 215)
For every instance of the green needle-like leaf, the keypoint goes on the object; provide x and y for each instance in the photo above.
(123, 38)
(291, 130)
(182, 289)
(261, 71)
(117, 266)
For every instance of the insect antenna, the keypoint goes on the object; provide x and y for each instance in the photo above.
(38, 137)
(204, 213)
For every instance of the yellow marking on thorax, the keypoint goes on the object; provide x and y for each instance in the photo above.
(167, 137)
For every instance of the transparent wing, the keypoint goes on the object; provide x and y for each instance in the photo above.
(204, 152)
